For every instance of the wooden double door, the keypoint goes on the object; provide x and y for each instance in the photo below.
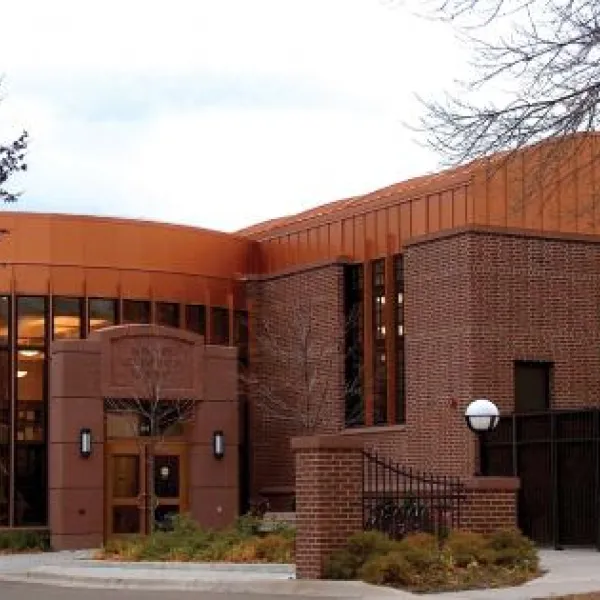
(133, 468)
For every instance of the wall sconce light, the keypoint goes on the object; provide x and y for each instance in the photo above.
(218, 444)
(85, 443)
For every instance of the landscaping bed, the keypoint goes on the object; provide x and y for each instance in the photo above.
(186, 541)
(422, 563)
(17, 541)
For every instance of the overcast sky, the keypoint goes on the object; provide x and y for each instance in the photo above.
(217, 113)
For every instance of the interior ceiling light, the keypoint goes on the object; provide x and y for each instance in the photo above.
(21, 374)
(29, 353)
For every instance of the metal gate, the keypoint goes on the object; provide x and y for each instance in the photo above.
(556, 454)
(399, 500)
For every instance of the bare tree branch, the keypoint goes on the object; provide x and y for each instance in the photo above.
(306, 396)
(535, 77)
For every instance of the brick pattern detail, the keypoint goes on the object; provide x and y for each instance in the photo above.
(328, 505)
(486, 511)
(282, 302)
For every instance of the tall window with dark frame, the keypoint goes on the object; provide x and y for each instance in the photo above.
(240, 339)
(353, 316)
(400, 339)
(136, 311)
(195, 318)
(219, 326)
(102, 312)
(240, 331)
(379, 353)
(5, 411)
(66, 318)
(30, 485)
(167, 314)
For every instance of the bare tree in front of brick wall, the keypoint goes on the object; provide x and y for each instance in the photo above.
(310, 383)
(149, 414)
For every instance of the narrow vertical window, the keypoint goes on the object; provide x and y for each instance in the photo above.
(30, 477)
(195, 318)
(379, 353)
(5, 411)
(353, 316)
(400, 340)
(167, 313)
(219, 326)
(240, 328)
(102, 313)
(66, 318)
(136, 311)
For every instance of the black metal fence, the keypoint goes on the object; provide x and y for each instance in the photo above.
(399, 501)
(556, 454)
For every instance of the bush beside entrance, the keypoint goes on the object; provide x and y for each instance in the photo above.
(420, 562)
(187, 541)
(14, 541)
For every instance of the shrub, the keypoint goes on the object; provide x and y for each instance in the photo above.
(420, 549)
(248, 525)
(389, 569)
(361, 547)
(422, 562)
(510, 548)
(274, 548)
(466, 548)
(24, 540)
(242, 553)
(341, 565)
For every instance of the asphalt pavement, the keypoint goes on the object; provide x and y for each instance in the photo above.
(26, 591)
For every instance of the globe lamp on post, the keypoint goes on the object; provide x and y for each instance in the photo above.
(482, 416)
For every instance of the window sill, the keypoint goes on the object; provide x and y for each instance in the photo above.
(374, 429)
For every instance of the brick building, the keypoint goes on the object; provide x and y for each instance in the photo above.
(377, 318)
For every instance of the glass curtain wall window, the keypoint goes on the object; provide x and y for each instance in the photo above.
(195, 318)
(400, 340)
(219, 326)
(136, 311)
(66, 318)
(102, 312)
(379, 352)
(167, 313)
(5, 411)
(30, 477)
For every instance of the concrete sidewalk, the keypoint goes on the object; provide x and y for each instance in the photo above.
(572, 571)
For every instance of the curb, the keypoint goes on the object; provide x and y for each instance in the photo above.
(262, 587)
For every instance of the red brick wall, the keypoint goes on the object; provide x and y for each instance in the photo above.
(313, 298)
(328, 499)
(438, 362)
(475, 301)
(491, 504)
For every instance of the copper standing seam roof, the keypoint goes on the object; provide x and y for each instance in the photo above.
(397, 192)
(402, 191)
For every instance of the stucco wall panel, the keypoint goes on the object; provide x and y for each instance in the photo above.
(31, 279)
(68, 280)
(43, 250)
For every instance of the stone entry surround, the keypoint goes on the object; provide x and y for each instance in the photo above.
(83, 373)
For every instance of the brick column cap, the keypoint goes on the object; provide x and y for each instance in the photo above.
(500, 484)
(326, 442)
